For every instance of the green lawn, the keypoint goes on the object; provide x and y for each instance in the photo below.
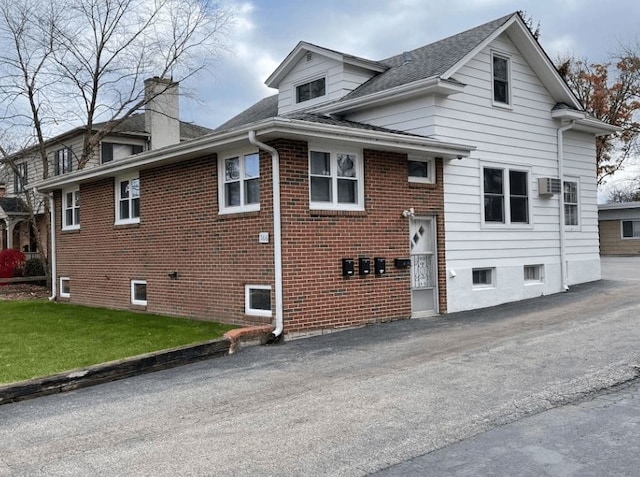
(39, 337)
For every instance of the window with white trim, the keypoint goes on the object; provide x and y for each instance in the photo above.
(421, 169)
(257, 300)
(128, 200)
(483, 277)
(630, 229)
(63, 161)
(70, 209)
(506, 196)
(533, 273)
(65, 287)
(335, 179)
(571, 216)
(240, 183)
(311, 90)
(139, 292)
(501, 72)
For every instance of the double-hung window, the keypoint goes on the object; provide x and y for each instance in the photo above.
(63, 160)
(571, 203)
(70, 209)
(501, 80)
(506, 196)
(240, 183)
(20, 177)
(335, 179)
(128, 200)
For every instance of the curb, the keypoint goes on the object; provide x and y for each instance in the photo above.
(133, 366)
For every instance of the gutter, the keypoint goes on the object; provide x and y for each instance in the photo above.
(52, 240)
(563, 258)
(277, 230)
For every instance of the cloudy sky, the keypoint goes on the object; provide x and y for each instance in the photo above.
(265, 31)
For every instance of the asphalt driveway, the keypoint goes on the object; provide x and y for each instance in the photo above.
(347, 403)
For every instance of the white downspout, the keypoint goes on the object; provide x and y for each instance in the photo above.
(563, 258)
(52, 239)
(277, 229)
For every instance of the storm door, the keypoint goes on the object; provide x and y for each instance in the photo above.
(424, 270)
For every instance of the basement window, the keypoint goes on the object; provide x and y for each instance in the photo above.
(258, 300)
(139, 292)
(533, 274)
(483, 277)
(65, 287)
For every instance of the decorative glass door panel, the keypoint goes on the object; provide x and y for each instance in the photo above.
(424, 271)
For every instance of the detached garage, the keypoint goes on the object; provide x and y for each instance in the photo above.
(619, 228)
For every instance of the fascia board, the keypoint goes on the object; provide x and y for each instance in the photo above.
(431, 85)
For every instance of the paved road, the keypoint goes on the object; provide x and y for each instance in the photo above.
(596, 437)
(349, 403)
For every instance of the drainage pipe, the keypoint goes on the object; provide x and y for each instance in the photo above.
(563, 257)
(277, 229)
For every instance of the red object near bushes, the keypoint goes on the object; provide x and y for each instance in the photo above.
(10, 260)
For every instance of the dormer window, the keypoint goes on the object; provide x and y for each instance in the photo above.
(310, 90)
(501, 80)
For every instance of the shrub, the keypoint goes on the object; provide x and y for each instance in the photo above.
(34, 267)
(11, 260)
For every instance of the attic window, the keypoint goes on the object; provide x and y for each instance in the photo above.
(309, 56)
(311, 90)
(501, 80)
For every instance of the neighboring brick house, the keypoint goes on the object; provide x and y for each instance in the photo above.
(619, 228)
(158, 126)
(454, 176)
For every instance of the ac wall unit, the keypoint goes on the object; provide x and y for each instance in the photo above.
(548, 186)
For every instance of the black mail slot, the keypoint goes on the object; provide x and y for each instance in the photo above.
(402, 262)
(347, 267)
(364, 266)
(379, 265)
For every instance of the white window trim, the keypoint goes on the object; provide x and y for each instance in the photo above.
(310, 79)
(577, 181)
(484, 286)
(431, 170)
(495, 103)
(133, 298)
(535, 281)
(63, 221)
(236, 209)
(62, 294)
(118, 180)
(334, 150)
(507, 203)
(622, 237)
(247, 302)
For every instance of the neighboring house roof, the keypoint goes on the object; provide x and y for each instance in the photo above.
(13, 206)
(619, 210)
(134, 124)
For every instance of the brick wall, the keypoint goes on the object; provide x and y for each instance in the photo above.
(316, 295)
(216, 255)
(180, 231)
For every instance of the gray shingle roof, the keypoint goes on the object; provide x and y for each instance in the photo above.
(428, 61)
(135, 124)
(322, 119)
(425, 62)
(13, 205)
(263, 109)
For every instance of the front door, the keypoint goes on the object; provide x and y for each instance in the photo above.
(424, 270)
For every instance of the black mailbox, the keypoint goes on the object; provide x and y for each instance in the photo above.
(347, 267)
(402, 262)
(379, 265)
(364, 266)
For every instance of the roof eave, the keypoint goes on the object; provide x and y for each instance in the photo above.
(426, 86)
(266, 129)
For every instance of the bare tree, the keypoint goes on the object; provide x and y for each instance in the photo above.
(69, 63)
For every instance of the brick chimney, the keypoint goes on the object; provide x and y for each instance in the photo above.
(161, 116)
